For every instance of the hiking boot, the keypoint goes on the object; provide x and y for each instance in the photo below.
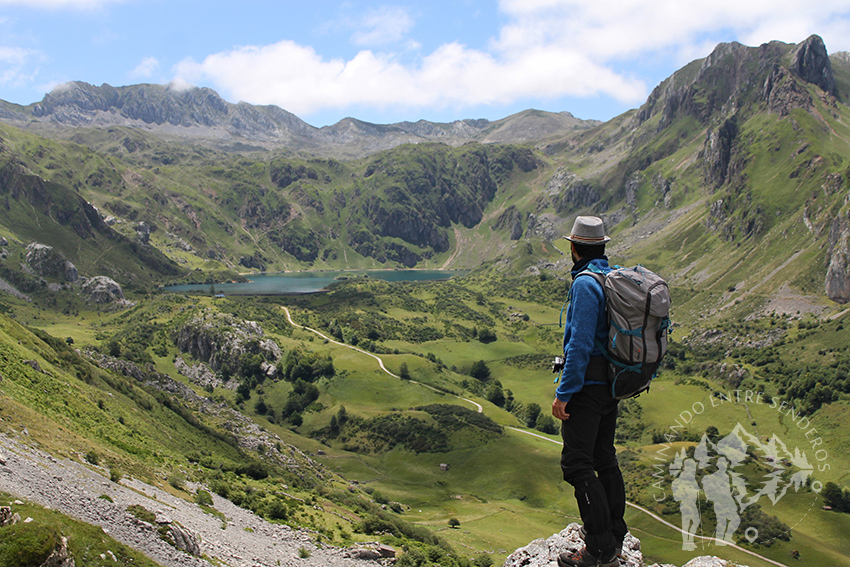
(618, 550)
(584, 558)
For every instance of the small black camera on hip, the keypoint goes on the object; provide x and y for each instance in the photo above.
(558, 364)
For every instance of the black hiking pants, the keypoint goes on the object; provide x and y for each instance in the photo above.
(589, 464)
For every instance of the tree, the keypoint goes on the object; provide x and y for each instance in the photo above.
(495, 395)
(480, 371)
(834, 497)
(454, 523)
(403, 372)
(532, 412)
(546, 424)
(486, 336)
(341, 416)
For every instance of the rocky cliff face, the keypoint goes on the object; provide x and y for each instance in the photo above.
(416, 194)
(224, 342)
(735, 73)
(512, 220)
(838, 255)
(811, 62)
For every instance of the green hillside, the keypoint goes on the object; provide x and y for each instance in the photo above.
(731, 181)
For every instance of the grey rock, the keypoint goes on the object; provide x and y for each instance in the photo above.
(544, 552)
(569, 192)
(60, 556)
(49, 263)
(219, 338)
(385, 551)
(7, 517)
(542, 226)
(838, 272)
(812, 64)
(718, 150)
(512, 220)
(367, 554)
(183, 540)
(143, 231)
(104, 290)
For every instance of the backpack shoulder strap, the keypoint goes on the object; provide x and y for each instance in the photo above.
(596, 274)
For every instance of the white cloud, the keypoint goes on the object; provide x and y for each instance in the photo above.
(146, 69)
(383, 26)
(14, 63)
(546, 50)
(179, 85)
(608, 29)
(57, 88)
(300, 80)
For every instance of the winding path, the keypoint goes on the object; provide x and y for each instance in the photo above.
(531, 433)
(665, 522)
(478, 406)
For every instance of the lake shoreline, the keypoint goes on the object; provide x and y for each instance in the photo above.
(304, 282)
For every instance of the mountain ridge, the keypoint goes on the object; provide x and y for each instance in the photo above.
(200, 113)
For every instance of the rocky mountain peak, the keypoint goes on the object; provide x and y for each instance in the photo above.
(731, 76)
(204, 115)
(811, 62)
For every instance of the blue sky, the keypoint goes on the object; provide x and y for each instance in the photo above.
(390, 61)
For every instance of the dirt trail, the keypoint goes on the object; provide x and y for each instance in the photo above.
(376, 357)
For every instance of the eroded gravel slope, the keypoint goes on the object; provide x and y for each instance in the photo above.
(74, 489)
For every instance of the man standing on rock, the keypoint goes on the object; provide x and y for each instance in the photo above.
(586, 408)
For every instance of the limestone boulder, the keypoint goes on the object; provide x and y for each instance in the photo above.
(103, 291)
(49, 263)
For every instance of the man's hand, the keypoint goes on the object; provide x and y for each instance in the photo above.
(559, 410)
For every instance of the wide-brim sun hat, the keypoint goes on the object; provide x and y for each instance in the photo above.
(589, 231)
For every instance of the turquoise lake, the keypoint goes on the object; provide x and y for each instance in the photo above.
(310, 282)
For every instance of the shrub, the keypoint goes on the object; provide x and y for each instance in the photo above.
(115, 475)
(142, 513)
(303, 552)
(203, 497)
(177, 480)
(480, 371)
(23, 545)
(92, 457)
(486, 336)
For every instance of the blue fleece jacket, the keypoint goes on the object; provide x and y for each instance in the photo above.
(586, 319)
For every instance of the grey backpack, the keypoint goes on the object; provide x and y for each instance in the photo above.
(638, 304)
